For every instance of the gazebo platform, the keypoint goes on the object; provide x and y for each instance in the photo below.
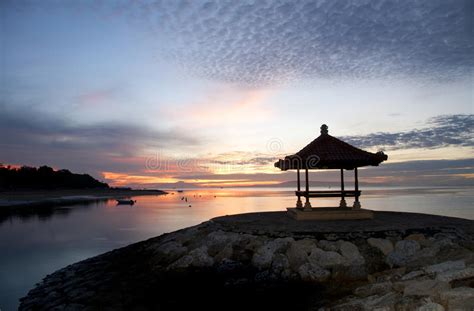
(330, 213)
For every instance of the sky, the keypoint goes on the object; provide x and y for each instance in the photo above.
(211, 93)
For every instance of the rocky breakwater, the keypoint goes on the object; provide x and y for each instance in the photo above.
(397, 261)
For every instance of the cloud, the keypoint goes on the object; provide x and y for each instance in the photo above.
(222, 107)
(267, 41)
(29, 137)
(442, 131)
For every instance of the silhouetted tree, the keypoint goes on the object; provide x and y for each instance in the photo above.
(45, 177)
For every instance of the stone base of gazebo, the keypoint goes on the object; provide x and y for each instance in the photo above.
(330, 213)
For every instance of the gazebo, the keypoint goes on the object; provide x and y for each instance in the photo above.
(328, 152)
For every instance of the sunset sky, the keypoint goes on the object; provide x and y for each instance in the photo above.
(212, 93)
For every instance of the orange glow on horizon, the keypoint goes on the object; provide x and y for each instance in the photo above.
(122, 179)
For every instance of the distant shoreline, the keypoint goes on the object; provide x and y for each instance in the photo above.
(41, 198)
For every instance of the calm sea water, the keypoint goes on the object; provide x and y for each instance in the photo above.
(34, 245)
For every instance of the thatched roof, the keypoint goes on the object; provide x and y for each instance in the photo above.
(328, 152)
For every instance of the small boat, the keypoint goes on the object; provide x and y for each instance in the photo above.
(180, 191)
(126, 202)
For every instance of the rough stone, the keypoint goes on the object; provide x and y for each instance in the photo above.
(373, 289)
(460, 298)
(387, 275)
(313, 273)
(351, 252)
(196, 258)
(403, 252)
(425, 287)
(328, 245)
(280, 262)
(431, 306)
(416, 237)
(171, 250)
(298, 252)
(384, 245)
(445, 266)
(412, 275)
(217, 240)
(384, 302)
(325, 258)
(455, 275)
(262, 258)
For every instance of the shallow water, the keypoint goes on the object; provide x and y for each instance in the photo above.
(34, 245)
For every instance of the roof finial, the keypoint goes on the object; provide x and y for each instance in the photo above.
(324, 129)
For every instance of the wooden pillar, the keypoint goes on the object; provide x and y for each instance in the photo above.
(356, 177)
(299, 204)
(307, 205)
(298, 179)
(343, 195)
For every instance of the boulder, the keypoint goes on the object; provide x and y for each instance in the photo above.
(313, 273)
(224, 253)
(298, 252)
(171, 250)
(403, 252)
(460, 298)
(182, 263)
(416, 237)
(425, 287)
(373, 289)
(196, 258)
(413, 274)
(455, 275)
(431, 306)
(384, 245)
(328, 245)
(445, 266)
(325, 258)
(351, 253)
(217, 240)
(384, 302)
(263, 257)
(280, 263)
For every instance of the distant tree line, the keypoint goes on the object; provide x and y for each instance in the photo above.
(45, 177)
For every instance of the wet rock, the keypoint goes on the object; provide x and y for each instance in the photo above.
(384, 245)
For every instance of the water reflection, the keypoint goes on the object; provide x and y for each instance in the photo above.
(37, 242)
(42, 213)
